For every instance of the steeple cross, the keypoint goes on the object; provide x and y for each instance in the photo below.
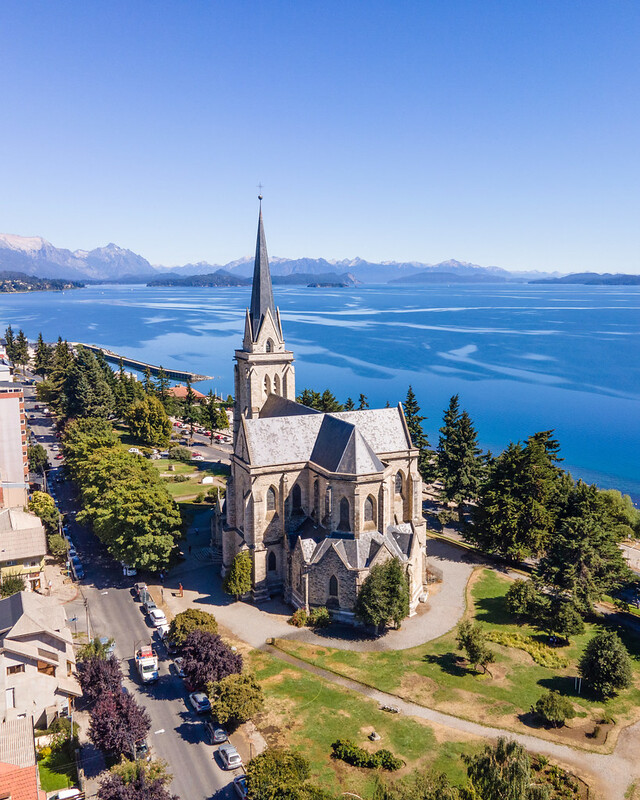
(260, 190)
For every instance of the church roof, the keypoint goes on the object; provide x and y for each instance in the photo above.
(355, 553)
(261, 292)
(344, 443)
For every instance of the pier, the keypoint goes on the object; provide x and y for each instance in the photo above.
(141, 366)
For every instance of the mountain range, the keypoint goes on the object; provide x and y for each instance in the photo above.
(37, 257)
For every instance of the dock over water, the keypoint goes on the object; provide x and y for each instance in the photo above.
(172, 374)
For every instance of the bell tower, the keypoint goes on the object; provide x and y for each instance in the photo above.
(264, 366)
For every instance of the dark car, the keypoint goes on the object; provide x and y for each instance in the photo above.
(149, 604)
(214, 734)
(139, 589)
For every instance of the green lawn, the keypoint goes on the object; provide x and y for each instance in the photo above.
(434, 675)
(57, 771)
(307, 713)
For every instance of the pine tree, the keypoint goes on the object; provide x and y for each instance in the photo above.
(21, 349)
(189, 412)
(238, 580)
(362, 402)
(460, 461)
(162, 386)
(43, 357)
(418, 436)
(9, 340)
(349, 405)
(384, 595)
(148, 384)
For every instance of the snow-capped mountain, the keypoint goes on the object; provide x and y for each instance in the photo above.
(34, 255)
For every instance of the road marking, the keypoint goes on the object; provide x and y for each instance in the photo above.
(104, 592)
(160, 731)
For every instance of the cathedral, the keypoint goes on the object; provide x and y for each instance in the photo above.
(317, 498)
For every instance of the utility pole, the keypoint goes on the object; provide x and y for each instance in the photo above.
(86, 608)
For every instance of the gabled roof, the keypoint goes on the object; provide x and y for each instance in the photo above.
(356, 554)
(341, 448)
(26, 613)
(276, 406)
(17, 745)
(261, 292)
(21, 535)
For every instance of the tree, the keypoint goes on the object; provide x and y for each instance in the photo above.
(238, 581)
(38, 458)
(276, 775)
(118, 723)
(584, 557)
(418, 437)
(520, 502)
(58, 546)
(98, 675)
(148, 383)
(362, 402)
(384, 595)
(472, 640)
(162, 386)
(349, 405)
(148, 421)
(135, 781)
(94, 648)
(554, 709)
(522, 598)
(207, 659)
(605, 664)
(86, 390)
(190, 620)
(180, 453)
(21, 350)
(43, 357)
(236, 698)
(12, 583)
(9, 340)
(566, 620)
(129, 771)
(503, 772)
(189, 410)
(326, 401)
(43, 505)
(460, 463)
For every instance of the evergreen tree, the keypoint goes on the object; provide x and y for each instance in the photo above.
(418, 436)
(162, 386)
(21, 350)
(384, 595)
(43, 357)
(584, 557)
(349, 405)
(460, 462)
(9, 340)
(189, 411)
(326, 401)
(238, 580)
(86, 388)
(148, 422)
(521, 500)
(147, 383)
(362, 402)
(472, 640)
(605, 664)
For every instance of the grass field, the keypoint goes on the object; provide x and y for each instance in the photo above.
(435, 675)
(307, 713)
(57, 771)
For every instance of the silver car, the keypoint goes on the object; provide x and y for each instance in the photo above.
(229, 756)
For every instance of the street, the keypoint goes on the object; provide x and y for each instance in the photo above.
(176, 734)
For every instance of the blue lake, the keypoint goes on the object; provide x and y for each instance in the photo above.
(522, 358)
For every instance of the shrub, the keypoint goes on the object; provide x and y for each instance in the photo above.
(298, 618)
(57, 545)
(554, 708)
(319, 618)
(180, 453)
(11, 584)
(522, 598)
(180, 478)
(199, 498)
(238, 580)
(541, 653)
(350, 753)
(605, 664)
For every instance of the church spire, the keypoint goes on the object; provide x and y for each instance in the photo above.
(261, 293)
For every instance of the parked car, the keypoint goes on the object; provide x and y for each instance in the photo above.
(59, 457)
(197, 457)
(66, 794)
(219, 438)
(163, 631)
(139, 589)
(214, 734)
(164, 454)
(127, 571)
(148, 604)
(199, 702)
(240, 785)
(77, 566)
(134, 450)
(55, 447)
(179, 665)
(229, 756)
(157, 617)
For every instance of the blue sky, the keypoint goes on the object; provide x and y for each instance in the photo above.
(502, 133)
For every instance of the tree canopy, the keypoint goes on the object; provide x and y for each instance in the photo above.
(207, 659)
(118, 723)
(419, 439)
(459, 459)
(238, 580)
(148, 421)
(384, 595)
(190, 620)
(606, 665)
(99, 676)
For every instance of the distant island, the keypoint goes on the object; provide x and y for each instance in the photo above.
(432, 276)
(595, 279)
(19, 282)
(217, 278)
(327, 285)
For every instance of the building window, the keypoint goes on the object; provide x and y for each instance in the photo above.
(69, 668)
(368, 509)
(267, 385)
(296, 498)
(276, 385)
(333, 586)
(345, 515)
(272, 564)
(269, 347)
(10, 698)
(399, 483)
(46, 669)
(13, 670)
(271, 499)
(316, 498)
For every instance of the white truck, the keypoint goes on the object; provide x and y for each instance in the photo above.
(147, 664)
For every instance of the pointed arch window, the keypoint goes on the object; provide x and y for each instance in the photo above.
(296, 499)
(272, 562)
(345, 515)
(276, 385)
(271, 499)
(267, 385)
(333, 586)
(399, 483)
(316, 498)
(369, 509)
(269, 346)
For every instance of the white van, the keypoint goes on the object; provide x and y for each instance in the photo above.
(67, 794)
